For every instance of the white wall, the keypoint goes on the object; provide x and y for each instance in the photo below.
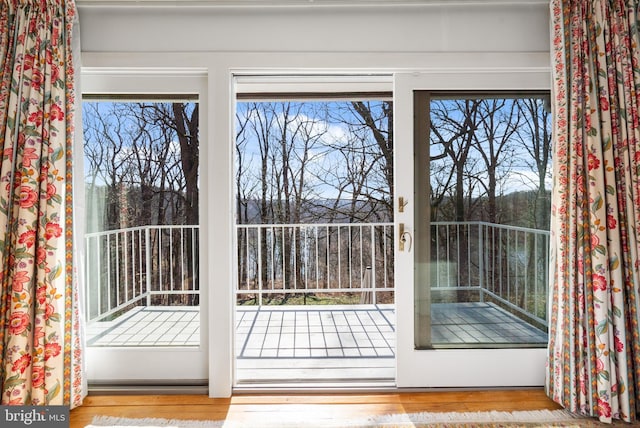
(519, 27)
(441, 37)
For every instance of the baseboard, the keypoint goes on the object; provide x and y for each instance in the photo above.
(148, 388)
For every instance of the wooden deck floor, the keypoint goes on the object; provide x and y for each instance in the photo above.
(328, 344)
(481, 323)
(148, 326)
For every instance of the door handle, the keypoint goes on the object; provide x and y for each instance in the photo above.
(404, 237)
(402, 202)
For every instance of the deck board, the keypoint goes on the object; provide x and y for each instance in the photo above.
(480, 323)
(301, 331)
(328, 344)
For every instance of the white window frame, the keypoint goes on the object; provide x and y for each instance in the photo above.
(120, 366)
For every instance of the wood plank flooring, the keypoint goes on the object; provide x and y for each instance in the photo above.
(252, 409)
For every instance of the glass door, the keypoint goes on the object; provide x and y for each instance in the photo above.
(473, 235)
(143, 295)
(314, 235)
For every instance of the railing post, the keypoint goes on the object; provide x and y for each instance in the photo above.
(147, 257)
(372, 265)
(259, 264)
(481, 255)
(89, 281)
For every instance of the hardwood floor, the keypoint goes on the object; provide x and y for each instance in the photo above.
(253, 408)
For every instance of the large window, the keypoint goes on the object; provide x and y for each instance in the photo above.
(487, 181)
(141, 184)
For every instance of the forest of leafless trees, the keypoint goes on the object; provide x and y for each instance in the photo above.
(141, 168)
(311, 162)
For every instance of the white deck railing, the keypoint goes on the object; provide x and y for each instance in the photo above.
(507, 264)
(158, 265)
(315, 258)
(147, 265)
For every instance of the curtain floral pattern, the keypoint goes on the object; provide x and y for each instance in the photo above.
(594, 338)
(39, 324)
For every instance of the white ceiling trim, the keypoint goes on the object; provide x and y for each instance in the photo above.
(326, 83)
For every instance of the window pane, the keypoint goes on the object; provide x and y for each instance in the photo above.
(489, 172)
(141, 184)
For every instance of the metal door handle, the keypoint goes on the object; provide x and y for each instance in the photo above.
(404, 237)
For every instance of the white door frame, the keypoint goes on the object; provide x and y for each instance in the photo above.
(152, 365)
(449, 367)
(257, 81)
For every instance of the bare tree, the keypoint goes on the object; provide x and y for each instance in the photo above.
(177, 121)
(493, 141)
(452, 127)
(378, 120)
(107, 134)
(360, 172)
(534, 136)
(244, 192)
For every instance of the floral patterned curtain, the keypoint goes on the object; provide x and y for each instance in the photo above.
(594, 338)
(39, 327)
